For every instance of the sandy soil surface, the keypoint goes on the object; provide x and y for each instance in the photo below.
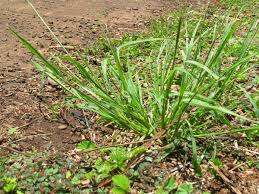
(77, 22)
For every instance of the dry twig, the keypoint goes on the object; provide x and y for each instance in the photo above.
(10, 149)
(147, 143)
(29, 136)
(246, 150)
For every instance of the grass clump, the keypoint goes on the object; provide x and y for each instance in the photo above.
(167, 88)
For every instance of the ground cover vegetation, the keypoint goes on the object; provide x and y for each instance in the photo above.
(192, 78)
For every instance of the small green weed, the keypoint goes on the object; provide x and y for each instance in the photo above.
(112, 159)
(85, 145)
(121, 184)
(12, 131)
(10, 184)
(171, 185)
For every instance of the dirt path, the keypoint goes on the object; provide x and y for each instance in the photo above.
(75, 23)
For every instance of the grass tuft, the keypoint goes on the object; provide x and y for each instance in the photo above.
(170, 83)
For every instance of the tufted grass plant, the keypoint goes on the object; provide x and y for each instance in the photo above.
(161, 90)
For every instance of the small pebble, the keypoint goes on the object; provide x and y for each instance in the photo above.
(62, 126)
(51, 82)
(50, 89)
